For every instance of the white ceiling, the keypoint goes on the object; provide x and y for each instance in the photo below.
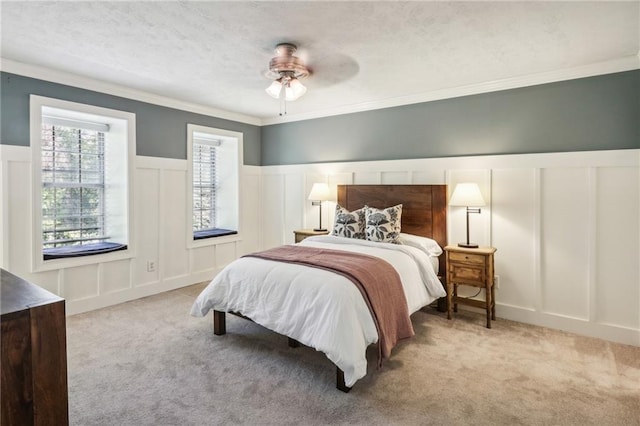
(361, 53)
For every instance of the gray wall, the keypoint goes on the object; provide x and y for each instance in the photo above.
(160, 131)
(595, 113)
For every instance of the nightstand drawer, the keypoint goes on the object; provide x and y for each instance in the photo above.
(467, 275)
(477, 259)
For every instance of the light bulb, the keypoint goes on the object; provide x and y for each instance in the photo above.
(274, 89)
(294, 89)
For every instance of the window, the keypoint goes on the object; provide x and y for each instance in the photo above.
(81, 157)
(214, 158)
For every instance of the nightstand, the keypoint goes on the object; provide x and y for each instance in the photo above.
(301, 234)
(472, 267)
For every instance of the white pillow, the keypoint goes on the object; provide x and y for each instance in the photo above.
(425, 244)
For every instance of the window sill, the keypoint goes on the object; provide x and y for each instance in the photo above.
(79, 251)
(213, 233)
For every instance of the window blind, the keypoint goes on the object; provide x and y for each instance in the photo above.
(204, 184)
(73, 205)
(76, 124)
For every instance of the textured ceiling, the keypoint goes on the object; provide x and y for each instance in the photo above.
(215, 53)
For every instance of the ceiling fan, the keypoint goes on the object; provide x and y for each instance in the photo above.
(286, 70)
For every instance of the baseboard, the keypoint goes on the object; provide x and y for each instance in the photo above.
(74, 307)
(613, 333)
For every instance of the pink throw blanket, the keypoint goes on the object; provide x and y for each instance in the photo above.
(376, 279)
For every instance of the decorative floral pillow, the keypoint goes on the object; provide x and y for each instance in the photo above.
(383, 225)
(349, 224)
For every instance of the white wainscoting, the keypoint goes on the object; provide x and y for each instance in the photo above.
(566, 227)
(159, 232)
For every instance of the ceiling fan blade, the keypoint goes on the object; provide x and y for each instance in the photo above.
(332, 69)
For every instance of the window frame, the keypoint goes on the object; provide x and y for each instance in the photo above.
(234, 140)
(125, 123)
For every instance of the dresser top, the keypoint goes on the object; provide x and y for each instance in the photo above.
(17, 294)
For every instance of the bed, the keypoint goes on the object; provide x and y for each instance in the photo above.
(321, 308)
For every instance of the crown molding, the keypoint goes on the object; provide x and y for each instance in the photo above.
(609, 67)
(86, 83)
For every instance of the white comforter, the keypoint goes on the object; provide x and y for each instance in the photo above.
(318, 308)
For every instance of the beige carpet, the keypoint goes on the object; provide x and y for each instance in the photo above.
(148, 362)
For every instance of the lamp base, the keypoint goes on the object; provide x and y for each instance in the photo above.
(319, 229)
(468, 245)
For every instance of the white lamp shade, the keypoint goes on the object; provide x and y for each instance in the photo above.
(467, 194)
(319, 192)
(294, 90)
(274, 89)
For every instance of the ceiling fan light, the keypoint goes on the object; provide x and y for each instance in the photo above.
(294, 90)
(274, 89)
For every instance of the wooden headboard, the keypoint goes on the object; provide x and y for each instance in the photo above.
(424, 207)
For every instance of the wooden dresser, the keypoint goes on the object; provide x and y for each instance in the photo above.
(33, 362)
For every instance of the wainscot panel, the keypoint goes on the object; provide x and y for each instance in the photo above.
(201, 259)
(80, 282)
(147, 223)
(615, 248)
(515, 231)
(115, 276)
(565, 242)
(175, 260)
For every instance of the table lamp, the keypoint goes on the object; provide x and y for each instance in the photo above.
(319, 193)
(467, 195)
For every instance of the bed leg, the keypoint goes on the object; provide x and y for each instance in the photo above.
(293, 343)
(340, 381)
(219, 323)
